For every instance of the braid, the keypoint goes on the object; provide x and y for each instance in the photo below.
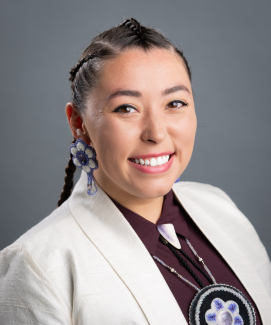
(68, 185)
(185, 265)
(134, 26)
(78, 65)
(196, 265)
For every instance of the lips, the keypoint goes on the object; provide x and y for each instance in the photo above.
(156, 163)
(152, 161)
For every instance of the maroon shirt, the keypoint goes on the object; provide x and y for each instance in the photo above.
(175, 214)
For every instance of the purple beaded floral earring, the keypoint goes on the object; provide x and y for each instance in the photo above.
(84, 156)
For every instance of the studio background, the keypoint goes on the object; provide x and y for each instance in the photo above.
(228, 47)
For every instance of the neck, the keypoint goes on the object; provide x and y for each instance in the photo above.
(148, 208)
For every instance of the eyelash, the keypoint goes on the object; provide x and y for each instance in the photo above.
(179, 102)
(118, 109)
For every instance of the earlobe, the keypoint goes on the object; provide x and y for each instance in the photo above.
(84, 134)
(76, 123)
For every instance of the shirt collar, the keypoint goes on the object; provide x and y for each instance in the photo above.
(172, 212)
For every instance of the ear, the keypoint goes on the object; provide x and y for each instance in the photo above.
(76, 123)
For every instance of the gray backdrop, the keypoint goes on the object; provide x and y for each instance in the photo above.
(228, 46)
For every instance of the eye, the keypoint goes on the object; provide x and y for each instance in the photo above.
(125, 109)
(177, 104)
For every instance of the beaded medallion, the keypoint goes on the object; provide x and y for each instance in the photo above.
(221, 304)
(215, 304)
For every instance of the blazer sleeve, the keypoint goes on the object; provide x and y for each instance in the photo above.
(26, 294)
(264, 266)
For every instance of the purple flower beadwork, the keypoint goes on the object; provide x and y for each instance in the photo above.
(232, 307)
(238, 321)
(84, 157)
(223, 313)
(218, 304)
(211, 317)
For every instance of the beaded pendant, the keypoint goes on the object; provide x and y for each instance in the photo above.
(221, 304)
(216, 304)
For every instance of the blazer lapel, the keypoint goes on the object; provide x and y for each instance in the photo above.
(116, 240)
(226, 246)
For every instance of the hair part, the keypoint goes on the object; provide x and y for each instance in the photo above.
(107, 45)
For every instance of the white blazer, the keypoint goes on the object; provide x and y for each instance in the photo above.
(84, 264)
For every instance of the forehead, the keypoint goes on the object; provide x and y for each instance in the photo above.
(157, 69)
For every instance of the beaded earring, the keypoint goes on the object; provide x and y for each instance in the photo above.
(84, 156)
(178, 179)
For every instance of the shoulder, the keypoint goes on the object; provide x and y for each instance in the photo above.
(51, 243)
(31, 271)
(216, 203)
(52, 229)
(202, 191)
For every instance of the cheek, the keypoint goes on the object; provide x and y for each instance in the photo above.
(112, 141)
(185, 131)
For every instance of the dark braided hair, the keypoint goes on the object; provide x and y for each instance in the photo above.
(68, 184)
(135, 27)
(85, 74)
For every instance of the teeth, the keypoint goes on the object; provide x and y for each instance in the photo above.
(153, 161)
(159, 161)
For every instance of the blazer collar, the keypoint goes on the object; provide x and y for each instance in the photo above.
(226, 246)
(116, 240)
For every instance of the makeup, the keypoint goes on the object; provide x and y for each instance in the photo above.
(153, 170)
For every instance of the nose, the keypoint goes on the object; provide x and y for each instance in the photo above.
(154, 127)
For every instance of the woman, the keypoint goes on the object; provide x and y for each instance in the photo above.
(108, 254)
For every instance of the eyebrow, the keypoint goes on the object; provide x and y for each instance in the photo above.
(175, 89)
(134, 93)
(131, 93)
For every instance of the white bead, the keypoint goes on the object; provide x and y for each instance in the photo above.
(76, 162)
(86, 169)
(80, 146)
(74, 151)
(89, 153)
(91, 163)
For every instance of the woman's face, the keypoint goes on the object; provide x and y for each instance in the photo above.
(141, 112)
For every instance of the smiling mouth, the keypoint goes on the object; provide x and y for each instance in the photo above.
(152, 161)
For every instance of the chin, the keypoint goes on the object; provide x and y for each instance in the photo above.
(152, 189)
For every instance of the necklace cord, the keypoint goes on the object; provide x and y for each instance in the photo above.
(201, 260)
(196, 265)
(177, 274)
(185, 265)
